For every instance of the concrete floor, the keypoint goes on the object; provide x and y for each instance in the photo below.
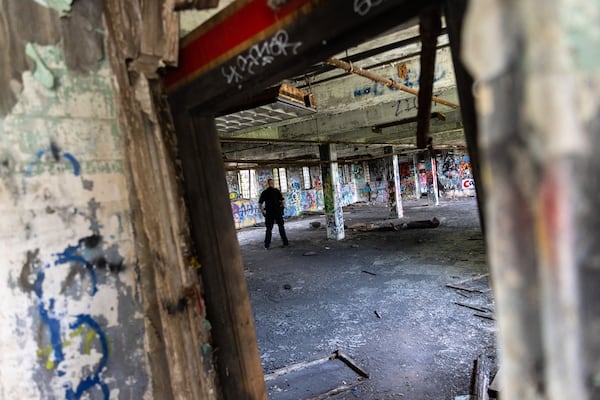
(314, 298)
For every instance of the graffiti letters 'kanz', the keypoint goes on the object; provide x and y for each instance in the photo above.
(258, 56)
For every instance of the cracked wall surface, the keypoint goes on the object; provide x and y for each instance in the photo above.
(72, 323)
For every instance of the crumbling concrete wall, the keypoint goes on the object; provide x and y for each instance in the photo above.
(98, 276)
(71, 321)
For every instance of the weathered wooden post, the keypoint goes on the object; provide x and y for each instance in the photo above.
(537, 74)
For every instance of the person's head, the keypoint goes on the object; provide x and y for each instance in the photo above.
(270, 182)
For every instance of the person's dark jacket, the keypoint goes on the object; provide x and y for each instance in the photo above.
(273, 201)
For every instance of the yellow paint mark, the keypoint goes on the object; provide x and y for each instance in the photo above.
(91, 335)
(45, 351)
(194, 263)
(77, 332)
(49, 364)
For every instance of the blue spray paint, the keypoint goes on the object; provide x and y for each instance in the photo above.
(94, 380)
(48, 318)
(87, 252)
(40, 153)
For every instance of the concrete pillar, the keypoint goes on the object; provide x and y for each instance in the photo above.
(430, 166)
(395, 198)
(331, 191)
(435, 194)
(537, 97)
(416, 172)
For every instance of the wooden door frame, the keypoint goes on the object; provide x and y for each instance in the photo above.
(196, 94)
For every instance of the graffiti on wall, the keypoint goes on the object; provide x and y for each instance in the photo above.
(293, 199)
(410, 79)
(233, 185)
(347, 194)
(335, 225)
(455, 175)
(66, 288)
(293, 204)
(246, 213)
(85, 259)
(309, 200)
(329, 193)
(407, 181)
(258, 56)
(263, 176)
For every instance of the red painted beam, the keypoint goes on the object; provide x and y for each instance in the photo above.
(233, 30)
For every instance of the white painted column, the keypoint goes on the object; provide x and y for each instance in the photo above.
(416, 174)
(397, 195)
(436, 197)
(331, 191)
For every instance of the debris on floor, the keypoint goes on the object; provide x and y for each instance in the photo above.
(327, 376)
(425, 345)
(475, 285)
(432, 223)
(481, 378)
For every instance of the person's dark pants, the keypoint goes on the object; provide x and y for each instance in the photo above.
(269, 221)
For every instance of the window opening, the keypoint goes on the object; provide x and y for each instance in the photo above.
(306, 178)
(244, 179)
(276, 177)
(253, 184)
(283, 180)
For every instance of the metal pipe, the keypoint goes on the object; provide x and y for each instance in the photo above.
(385, 81)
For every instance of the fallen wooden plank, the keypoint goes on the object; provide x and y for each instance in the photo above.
(473, 278)
(480, 309)
(482, 378)
(494, 388)
(296, 367)
(486, 316)
(351, 363)
(337, 390)
(463, 288)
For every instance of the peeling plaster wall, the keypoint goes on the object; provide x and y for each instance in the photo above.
(71, 322)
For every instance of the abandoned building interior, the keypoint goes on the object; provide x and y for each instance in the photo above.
(438, 165)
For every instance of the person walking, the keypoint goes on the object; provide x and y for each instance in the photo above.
(273, 212)
(367, 191)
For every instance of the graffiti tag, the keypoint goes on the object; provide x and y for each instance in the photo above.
(259, 56)
(363, 7)
(468, 184)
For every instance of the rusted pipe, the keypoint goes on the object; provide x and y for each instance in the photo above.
(385, 81)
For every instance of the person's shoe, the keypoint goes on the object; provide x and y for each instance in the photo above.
(266, 247)
(286, 245)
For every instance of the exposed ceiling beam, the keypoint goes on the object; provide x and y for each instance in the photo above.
(315, 141)
(322, 68)
(383, 80)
